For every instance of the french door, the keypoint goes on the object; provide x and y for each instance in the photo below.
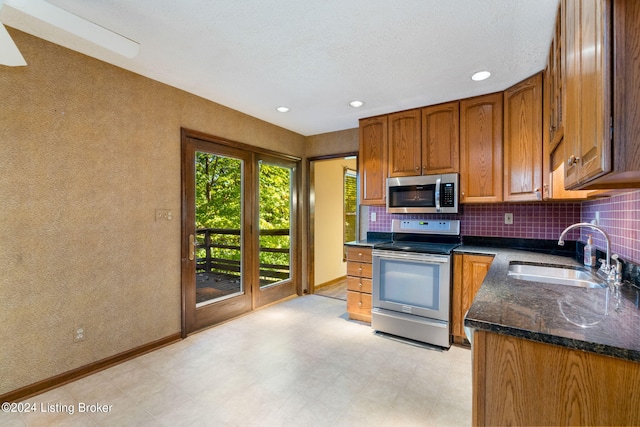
(238, 229)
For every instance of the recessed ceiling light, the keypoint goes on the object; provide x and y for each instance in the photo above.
(356, 104)
(480, 75)
(283, 109)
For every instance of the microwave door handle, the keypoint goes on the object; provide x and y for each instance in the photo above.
(438, 194)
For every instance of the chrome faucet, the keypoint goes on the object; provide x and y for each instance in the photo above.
(605, 267)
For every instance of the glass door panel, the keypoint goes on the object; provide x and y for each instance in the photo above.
(276, 193)
(218, 227)
(216, 220)
(275, 224)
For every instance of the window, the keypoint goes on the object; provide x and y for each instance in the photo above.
(350, 193)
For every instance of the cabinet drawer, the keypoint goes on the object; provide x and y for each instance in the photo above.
(358, 253)
(359, 306)
(359, 284)
(359, 269)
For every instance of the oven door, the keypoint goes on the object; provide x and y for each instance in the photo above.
(412, 283)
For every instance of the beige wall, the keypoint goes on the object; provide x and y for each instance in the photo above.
(88, 151)
(328, 219)
(340, 142)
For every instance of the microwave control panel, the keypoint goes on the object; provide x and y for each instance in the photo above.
(448, 195)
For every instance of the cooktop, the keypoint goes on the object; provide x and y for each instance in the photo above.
(420, 247)
(423, 236)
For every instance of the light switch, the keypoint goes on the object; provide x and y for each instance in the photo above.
(164, 215)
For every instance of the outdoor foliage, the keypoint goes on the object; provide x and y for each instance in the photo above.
(275, 211)
(219, 204)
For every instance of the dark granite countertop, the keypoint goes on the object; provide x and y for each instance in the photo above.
(365, 242)
(372, 239)
(578, 318)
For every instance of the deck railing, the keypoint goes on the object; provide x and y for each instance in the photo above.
(227, 242)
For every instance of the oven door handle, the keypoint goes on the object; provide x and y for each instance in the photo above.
(438, 181)
(423, 258)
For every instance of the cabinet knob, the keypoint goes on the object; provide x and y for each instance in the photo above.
(572, 160)
(359, 304)
(462, 195)
(417, 168)
(538, 193)
(360, 254)
(360, 284)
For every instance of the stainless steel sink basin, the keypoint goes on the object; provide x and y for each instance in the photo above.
(558, 275)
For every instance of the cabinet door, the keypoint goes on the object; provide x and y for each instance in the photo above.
(440, 138)
(523, 141)
(372, 161)
(468, 274)
(595, 112)
(555, 127)
(404, 143)
(570, 14)
(481, 149)
(588, 103)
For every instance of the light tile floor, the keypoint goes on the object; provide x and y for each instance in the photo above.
(297, 363)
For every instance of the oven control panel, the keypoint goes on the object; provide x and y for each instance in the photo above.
(434, 226)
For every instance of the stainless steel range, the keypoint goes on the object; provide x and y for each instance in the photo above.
(412, 280)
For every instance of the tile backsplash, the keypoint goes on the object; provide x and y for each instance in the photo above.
(530, 221)
(619, 216)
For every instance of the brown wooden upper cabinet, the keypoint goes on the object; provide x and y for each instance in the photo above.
(553, 125)
(481, 149)
(600, 42)
(441, 138)
(523, 141)
(424, 141)
(404, 143)
(588, 103)
(553, 163)
(372, 161)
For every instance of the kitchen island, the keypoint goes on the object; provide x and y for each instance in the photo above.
(548, 354)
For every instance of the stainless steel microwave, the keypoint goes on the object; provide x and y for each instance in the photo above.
(423, 194)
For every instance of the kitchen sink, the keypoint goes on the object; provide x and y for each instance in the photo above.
(557, 275)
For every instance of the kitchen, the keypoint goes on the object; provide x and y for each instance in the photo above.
(134, 169)
(502, 308)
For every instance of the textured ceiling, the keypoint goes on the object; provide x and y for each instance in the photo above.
(316, 56)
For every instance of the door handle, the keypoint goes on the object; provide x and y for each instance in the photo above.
(192, 247)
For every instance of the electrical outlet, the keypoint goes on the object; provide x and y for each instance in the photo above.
(79, 333)
(373, 217)
(164, 215)
(508, 218)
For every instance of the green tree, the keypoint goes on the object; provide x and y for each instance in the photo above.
(219, 205)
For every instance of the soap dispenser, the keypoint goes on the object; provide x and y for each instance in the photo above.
(589, 252)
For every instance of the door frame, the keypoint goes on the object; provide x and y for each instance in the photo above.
(310, 191)
(188, 324)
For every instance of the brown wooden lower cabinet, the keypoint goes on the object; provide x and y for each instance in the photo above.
(522, 382)
(468, 273)
(359, 283)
